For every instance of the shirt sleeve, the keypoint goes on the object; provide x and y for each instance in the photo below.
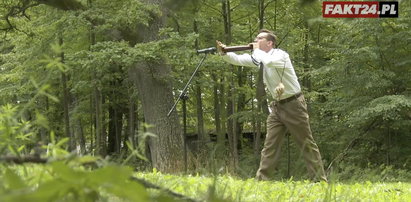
(240, 60)
(275, 60)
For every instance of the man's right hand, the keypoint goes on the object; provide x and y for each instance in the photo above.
(220, 47)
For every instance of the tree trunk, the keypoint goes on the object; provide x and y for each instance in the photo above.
(99, 127)
(80, 137)
(306, 80)
(261, 94)
(155, 90)
(111, 144)
(119, 127)
(200, 119)
(157, 99)
(231, 123)
(217, 110)
(131, 136)
(92, 126)
(98, 102)
(241, 78)
(223, 110)
(262, 104)
(66, 101)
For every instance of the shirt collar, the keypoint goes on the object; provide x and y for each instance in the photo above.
(271, 51)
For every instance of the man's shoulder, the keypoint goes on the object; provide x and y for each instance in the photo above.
(280, 51)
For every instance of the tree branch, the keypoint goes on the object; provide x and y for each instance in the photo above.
(20, 9)
(16, 11)
(216, 10)
(268, 3)
(63, 4)
(150, 185)
(23, 159)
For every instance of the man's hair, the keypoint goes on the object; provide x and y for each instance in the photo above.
(270, 36)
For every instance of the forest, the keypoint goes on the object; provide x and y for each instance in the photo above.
(109, 101)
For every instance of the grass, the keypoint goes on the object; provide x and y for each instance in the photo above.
(233, 189)
(86, 184)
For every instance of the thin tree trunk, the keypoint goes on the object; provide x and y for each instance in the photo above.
(223, 110)
(43, 131)
(200, 119)
(81, 138)
(66, 100)
(231, 123)
(112, 132)
(262, 104)
(98, 102)
(99, 121)
(92, 126)
(218, 107)
(260, 94)
(119, 127)
(93, 120)
(217, 111)
(306, 80)
(103, 126)
(241, 78)
(131, 122)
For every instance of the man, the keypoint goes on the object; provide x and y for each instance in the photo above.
(288, 111)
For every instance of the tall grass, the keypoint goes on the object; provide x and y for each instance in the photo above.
(234, 189)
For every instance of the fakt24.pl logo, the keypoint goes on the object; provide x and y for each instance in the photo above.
(360, 9)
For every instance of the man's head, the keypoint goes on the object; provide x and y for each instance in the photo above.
(266, 40)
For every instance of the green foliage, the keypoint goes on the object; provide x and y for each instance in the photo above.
(355, 73)
(353, 173)
(14, 134)
(387, 108)
(64, 183)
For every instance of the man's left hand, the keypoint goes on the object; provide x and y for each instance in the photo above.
(255, 45)
(279, 89)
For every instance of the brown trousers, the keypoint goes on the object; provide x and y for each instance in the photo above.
(293, 116)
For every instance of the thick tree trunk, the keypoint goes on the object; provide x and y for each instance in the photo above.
(157, 99)
(156, 93)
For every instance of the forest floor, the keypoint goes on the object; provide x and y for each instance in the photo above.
(226, 188)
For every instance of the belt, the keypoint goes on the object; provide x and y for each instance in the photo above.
(293, 97)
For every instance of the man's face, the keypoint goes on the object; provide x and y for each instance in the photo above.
(263, 44)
